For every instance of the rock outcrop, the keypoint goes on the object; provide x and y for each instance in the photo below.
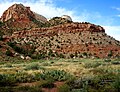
(21, 13)
(20, 17)
(60, 29)
(67, 17)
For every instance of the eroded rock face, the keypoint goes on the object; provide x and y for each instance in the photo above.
(17, 12)
(61, 29)
(20, 12)
(40, 18)
(20, 17)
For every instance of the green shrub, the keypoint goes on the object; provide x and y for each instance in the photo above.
(115, 62)
(24, 77)
(61, 55)
(46, 64)
(6, 89)
(9, 65)
(33, 66)
(47, 84)
(85, 54)
(110, 54)
(1, 23)
(107, 60)
(1, 37)
(91, 64)
(21, 50)
(116, 84)
(57, 75)
(7, 80)
(0, 46)
(28, 89)
(64, 88)
(8, 53)
(71, 55)
(78, 90)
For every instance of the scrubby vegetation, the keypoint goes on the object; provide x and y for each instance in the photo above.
(77, 75)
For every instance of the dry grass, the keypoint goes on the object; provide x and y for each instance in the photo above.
(77, 67)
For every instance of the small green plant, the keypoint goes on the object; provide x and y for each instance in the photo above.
(64, 88)
(116, 84)
(22, 77)
(85, 54)
(8, 53)
(115, 62)
(9, 65)
(1, 37)
(47, 84)
(33, 66)
(7, 80)
(28, 89)
(61, 55)
(57, 75)
(91, 64)
(6, 89)
(71, 55)
(107, 60)
(110, 54)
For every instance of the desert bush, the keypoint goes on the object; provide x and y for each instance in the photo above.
(78, 90)
(85, 54)
(107, 60)
(64, 88)
(61, 55)
(57, 75)
(71, 55)
(33, 66)
(51, 54)
(28, 89)
(8, 53)
(110, 54)
(24, 77)
(47, 83)
(46, 64)
(6, 89)
(9, 65)
(21, 50)
(115, 62)
(91, 64)
(1, 37)
(7, 80)
(116, 84)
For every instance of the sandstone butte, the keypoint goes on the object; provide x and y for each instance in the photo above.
(79, 39)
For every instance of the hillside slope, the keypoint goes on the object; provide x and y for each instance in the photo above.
(70, 40)
(30, 34)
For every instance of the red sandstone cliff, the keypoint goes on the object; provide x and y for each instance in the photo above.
(18, 16)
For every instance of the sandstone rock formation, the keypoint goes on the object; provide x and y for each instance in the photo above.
(67, 17)
(21, 13)
(20, 17)
(36, 37)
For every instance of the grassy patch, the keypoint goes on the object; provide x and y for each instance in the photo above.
(79, 75)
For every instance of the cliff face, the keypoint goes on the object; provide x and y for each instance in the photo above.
(20, 17)
(17, 12)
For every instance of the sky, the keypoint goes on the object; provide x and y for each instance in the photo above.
(100, 12)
